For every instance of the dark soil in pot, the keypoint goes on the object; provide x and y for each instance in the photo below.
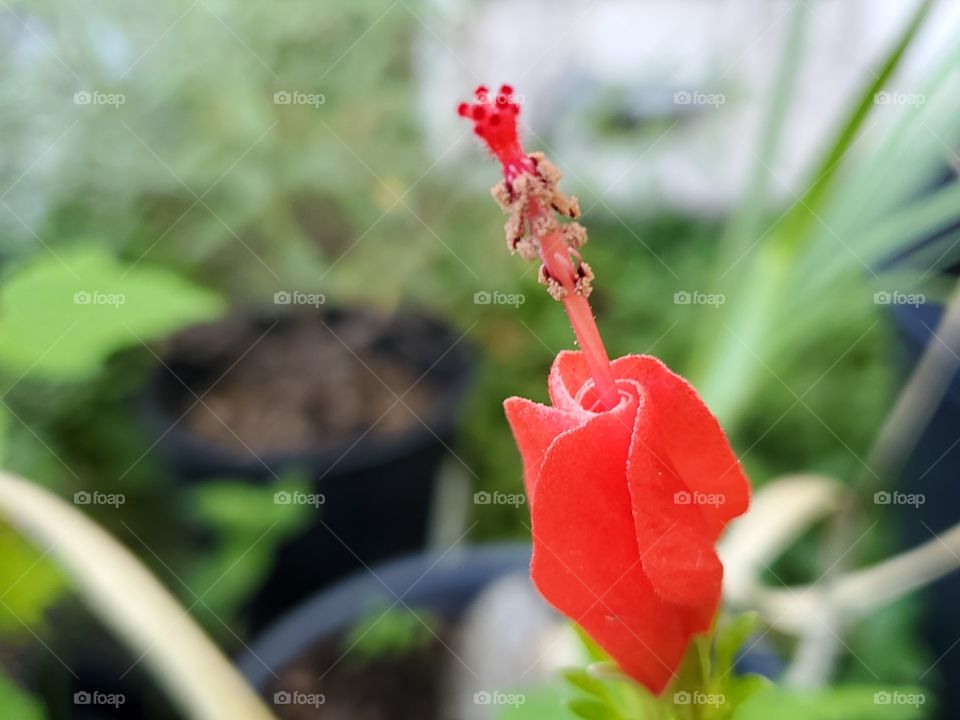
(396, 686)
(365, 404)
(302, 390)
(306, 651)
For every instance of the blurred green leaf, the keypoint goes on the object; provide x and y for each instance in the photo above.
(17, 704)
(583, 680)
(592, 709)
(842, 703)
(242, 507)
(595, 653)
(743, 227)
(802, 213)
(29, 583)
(738, 688)
(4, 430)
(730, 637)
(248, 522)
(542, 703)
(62, 316)
(389, 631)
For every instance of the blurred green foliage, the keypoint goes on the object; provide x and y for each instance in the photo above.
(15, 703)
(62, 316)
(389, 632)
(247, 527)
(29, 581)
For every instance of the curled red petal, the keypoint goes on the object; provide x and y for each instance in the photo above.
(568, 375)
(534, 428)
(693, 442)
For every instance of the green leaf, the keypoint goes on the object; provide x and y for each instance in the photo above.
(30, 583)
(738, 688)
(591, 709)
(541, 703)
(385, 631)
(595, 653)
(743, 227)
(730, 637)
(803, 212)
(694, 671)
(248, 521)
(4, 429)
(15, 703)
(240, 507)
(61, 316)
(583, 680)
(842, 703)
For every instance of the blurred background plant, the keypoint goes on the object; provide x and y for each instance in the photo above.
(198, 156)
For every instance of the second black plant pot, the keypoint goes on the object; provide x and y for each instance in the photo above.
(441, 583)
(376, 473)
(931, 472)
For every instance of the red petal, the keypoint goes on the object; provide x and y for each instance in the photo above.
(567, 376)
(692, 439)
(534, 428)
(585, 557)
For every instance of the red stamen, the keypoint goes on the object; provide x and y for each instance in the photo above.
(495, 120)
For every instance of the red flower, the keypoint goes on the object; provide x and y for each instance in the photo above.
(626, 505)
(630, 478)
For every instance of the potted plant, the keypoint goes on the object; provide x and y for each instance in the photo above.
(363, 404)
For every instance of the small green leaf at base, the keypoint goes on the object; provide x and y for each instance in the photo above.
(590, 709)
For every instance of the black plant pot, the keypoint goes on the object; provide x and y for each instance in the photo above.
(932, 471)
(377, 487)
(443, 584)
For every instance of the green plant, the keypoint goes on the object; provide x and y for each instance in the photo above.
(63, 315)
(388, 633)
